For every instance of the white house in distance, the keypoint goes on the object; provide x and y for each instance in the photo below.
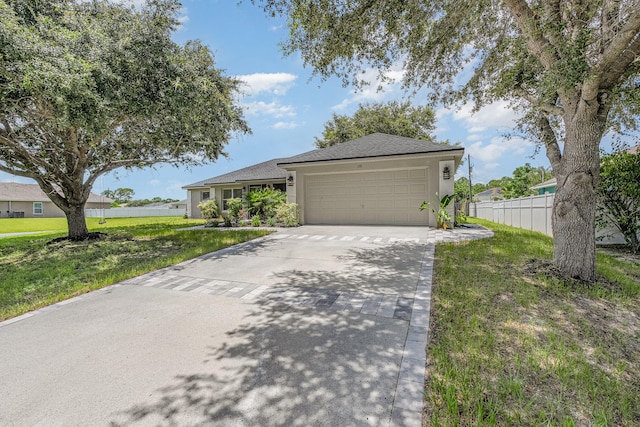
(378, 179)
(29, 201)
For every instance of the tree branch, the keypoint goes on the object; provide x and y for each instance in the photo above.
(550, 141)
(16, 172)
(622, 50)
(547, 107)
(537, 45)
(622, 68)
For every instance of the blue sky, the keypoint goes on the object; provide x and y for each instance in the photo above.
(286, 107)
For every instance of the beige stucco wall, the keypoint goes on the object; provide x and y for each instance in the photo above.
(49, 209)
(431, 162)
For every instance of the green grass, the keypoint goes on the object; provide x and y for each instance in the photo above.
(36, 272)
(511, 344)
(21, 225)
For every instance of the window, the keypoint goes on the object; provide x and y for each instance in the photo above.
(205, 196)
(230, 193)
(256, 187)
(38, 208)
(281, 187)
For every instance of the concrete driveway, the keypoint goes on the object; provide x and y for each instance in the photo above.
(308, 326)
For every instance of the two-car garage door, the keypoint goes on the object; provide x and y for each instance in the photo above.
(389, 197)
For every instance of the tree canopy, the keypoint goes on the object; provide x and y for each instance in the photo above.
(394, 118)
(119, 195)
(571, 67)
(89, 87)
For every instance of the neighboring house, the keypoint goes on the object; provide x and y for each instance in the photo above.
(378, 179)
(29, 201)
(547, 187)
(489, 195)
(165, 205)
(182, 204)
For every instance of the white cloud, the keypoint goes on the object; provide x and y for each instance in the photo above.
(496, 115)
(474, 137)
(285, 125)
(273, 83)
(155, 182)
(258, 108)
(377, 88)
(492, 151)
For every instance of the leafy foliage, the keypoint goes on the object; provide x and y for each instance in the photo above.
(119, 195)
(89, 87)
(209, 209)
(441, 213)
(263, 202)
(145, 202)
(394, 118)
(619, 195)
(570, 67)
(288, 214)
(524, 177)
(234, 207)
(461, 189)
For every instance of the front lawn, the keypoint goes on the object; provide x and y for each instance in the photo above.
(22, 225)
(511, 344)
(36, 273)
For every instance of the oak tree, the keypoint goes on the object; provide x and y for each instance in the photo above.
(394, 118)
(87, 87)
(571, 66)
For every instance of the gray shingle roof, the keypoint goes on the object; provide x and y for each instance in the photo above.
(261, 171)
(16, 192)
(373, 145)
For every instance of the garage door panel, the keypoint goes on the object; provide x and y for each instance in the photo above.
(381, 197)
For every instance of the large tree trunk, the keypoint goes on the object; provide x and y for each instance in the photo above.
(574, 206)
(77, 223)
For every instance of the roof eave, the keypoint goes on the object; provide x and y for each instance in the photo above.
(421, 153)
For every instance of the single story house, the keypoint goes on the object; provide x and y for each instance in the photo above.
(489, 195)
(378, 179)
(547, 187)
(29, 201)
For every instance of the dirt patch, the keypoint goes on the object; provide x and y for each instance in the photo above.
(94, 235)
(540, 267)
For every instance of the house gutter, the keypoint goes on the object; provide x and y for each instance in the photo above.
(454, 152)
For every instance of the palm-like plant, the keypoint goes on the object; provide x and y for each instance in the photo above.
(442, 216)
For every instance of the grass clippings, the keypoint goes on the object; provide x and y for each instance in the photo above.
(512, 342)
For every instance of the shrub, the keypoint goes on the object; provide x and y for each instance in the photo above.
(209, 209)
(271, 222)
(255, 221)
(288, 215)
(234, 206)
(227, 221)
(264, 202)
(619, 196)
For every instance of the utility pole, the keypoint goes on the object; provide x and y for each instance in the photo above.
(470, 186)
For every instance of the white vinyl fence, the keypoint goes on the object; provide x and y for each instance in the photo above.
(132, 212)
(531, 213)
